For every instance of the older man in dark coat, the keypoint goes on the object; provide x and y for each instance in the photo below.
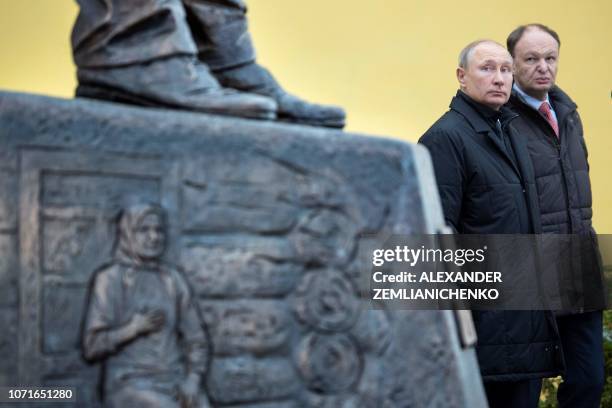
(553, 130)
(486, 185)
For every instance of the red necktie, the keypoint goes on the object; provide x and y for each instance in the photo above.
(545, 111)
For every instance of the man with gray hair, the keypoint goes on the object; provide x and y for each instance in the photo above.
(486, 187)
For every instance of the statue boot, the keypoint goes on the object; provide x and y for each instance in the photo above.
(220, 31)
(142, 52)
(254, 78)
(177, 82)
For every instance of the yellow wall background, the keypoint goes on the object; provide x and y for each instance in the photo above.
(389, 63)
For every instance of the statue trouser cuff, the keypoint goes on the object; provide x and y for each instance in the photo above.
(220, 31)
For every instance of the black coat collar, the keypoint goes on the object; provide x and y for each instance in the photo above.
(467, 108)
(560, 98)
(478, 117)
(561, 102)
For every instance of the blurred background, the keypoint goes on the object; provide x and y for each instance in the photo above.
(390, 65)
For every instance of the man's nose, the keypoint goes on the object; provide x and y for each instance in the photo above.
(542, 66)
(498, 78)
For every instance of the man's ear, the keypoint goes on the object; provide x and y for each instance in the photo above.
(461, 77)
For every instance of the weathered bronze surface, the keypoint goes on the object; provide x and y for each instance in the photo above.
(263, 218)
(186, 54)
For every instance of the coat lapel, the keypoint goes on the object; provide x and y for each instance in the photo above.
(479, 125)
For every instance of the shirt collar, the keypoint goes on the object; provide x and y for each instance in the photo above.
(530, 100)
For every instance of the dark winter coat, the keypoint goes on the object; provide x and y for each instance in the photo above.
(563, 187)
(560, 164)
(487, 186)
